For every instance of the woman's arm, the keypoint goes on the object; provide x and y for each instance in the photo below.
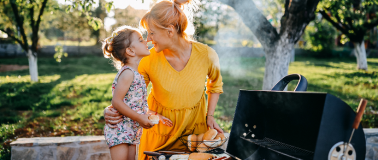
(124, 82)
(112, 117)
(213, 88)
(212, 100)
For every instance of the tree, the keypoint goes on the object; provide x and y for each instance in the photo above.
(353, 18)
(23, 17)
(128, 16)
(100, 13)
(274, 9)
(320, 37)
(74, 24)
(277, 46)
(208, 19)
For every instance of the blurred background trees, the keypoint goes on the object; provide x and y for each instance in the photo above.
(71, 93)
(320, 38)
(21, 20)
(353, 18)
(278, 44)
(81, 23)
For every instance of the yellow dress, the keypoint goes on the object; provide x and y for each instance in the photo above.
(179, 96)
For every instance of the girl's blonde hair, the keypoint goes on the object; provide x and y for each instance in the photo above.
(114, 47)
(167, 13)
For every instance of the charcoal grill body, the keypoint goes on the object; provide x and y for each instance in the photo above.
(291, 125)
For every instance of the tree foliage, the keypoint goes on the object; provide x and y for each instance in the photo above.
(19, 19)
(273, 9)
(74, 24)
(320, 37)
(209, 18)
(85, 6)
(352, 17)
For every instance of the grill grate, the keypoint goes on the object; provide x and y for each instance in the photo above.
(282, 148)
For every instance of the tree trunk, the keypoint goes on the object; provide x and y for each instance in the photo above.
(79, 47)
(33, 68)
(277, 46)
(277, 63)
(360, 53)
(292, 59)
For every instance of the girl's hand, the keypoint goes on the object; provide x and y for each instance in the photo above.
(145, 122)
(212, 124)
(112, 117)
(165, 120)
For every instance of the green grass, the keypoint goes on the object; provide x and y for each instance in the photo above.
(340, 78)
(68, 99)
(70, 96)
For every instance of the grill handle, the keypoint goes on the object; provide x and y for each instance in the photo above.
(301, 86)
(360, 113)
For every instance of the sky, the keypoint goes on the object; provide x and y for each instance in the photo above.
(121, 4)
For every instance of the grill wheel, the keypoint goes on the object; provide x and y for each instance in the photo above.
(337, 152)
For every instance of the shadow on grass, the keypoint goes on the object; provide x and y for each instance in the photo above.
(326, 62)
(373, 64)
(49, 107)
(368, 80)
(24, 96)
(359, 75)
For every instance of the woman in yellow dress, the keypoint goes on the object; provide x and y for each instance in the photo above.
(178, 69)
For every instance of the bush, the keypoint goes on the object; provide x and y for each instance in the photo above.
(319, 38)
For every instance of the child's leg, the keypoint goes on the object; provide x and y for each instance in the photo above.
(132, 152)
(119, 152)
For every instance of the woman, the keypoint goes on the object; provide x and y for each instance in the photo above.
(177, 68)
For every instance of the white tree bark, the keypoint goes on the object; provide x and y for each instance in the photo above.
(277, 63)
(292, 59)
(360, 53)
(33, 68)
(277, 46)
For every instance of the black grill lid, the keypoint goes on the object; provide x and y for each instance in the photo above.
(305, 124)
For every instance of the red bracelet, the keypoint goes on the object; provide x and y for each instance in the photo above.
(155, 113)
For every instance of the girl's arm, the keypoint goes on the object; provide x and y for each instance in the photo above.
(124, 82)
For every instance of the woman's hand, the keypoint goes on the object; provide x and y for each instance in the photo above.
(212, 124)
(145, 122)
(112, 117)
(165, 120)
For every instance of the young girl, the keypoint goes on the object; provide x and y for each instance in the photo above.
(126, 47)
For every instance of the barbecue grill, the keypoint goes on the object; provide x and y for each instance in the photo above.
(294, 125)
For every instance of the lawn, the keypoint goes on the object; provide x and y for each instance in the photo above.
(71, 95)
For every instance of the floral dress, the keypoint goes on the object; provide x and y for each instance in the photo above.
(128, 130)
